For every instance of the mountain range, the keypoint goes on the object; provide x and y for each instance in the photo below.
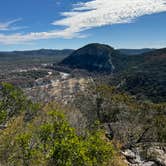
(69, 51)
(135, 51)
(40, 52)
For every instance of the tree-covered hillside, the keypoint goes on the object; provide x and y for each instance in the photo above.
(91, 131)
(143, 75)
(33, 134)
(93, 58)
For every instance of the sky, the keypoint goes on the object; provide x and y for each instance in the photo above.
(59, 24)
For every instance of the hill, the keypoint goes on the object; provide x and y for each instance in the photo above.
(92, 57)
(144, 75)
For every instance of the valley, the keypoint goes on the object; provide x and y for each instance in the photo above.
(123, 94)
(83, 83)
(42, 83)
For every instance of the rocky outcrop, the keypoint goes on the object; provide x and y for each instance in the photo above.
(146, 155)
(157, 154)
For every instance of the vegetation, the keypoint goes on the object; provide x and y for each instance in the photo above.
(123, 110)
(13, 102)
(93, 57)
(23, 68)
(142, 75)
(120, 112)
(47, 138)
(135, 51)
(12, 62)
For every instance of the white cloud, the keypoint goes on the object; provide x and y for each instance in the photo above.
(98, 13)
(6, 26)
(92, 14)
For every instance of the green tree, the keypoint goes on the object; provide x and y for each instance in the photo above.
(13, 102)
(63, 147)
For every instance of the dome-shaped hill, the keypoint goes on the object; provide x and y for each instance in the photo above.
(92, 57)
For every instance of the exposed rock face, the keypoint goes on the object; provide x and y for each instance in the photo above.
(158, 155)
(155, 155)
(93, 57)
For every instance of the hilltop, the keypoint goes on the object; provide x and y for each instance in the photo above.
(92, 57)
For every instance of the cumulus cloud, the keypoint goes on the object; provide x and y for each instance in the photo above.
(94, 13)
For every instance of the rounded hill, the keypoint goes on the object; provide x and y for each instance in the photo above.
(92, 57)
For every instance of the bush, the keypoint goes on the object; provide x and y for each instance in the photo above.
(48, 139)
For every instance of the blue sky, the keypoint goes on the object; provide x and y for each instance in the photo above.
(35, 24)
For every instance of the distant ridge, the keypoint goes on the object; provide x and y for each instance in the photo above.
(135, 51)
(39, 52)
